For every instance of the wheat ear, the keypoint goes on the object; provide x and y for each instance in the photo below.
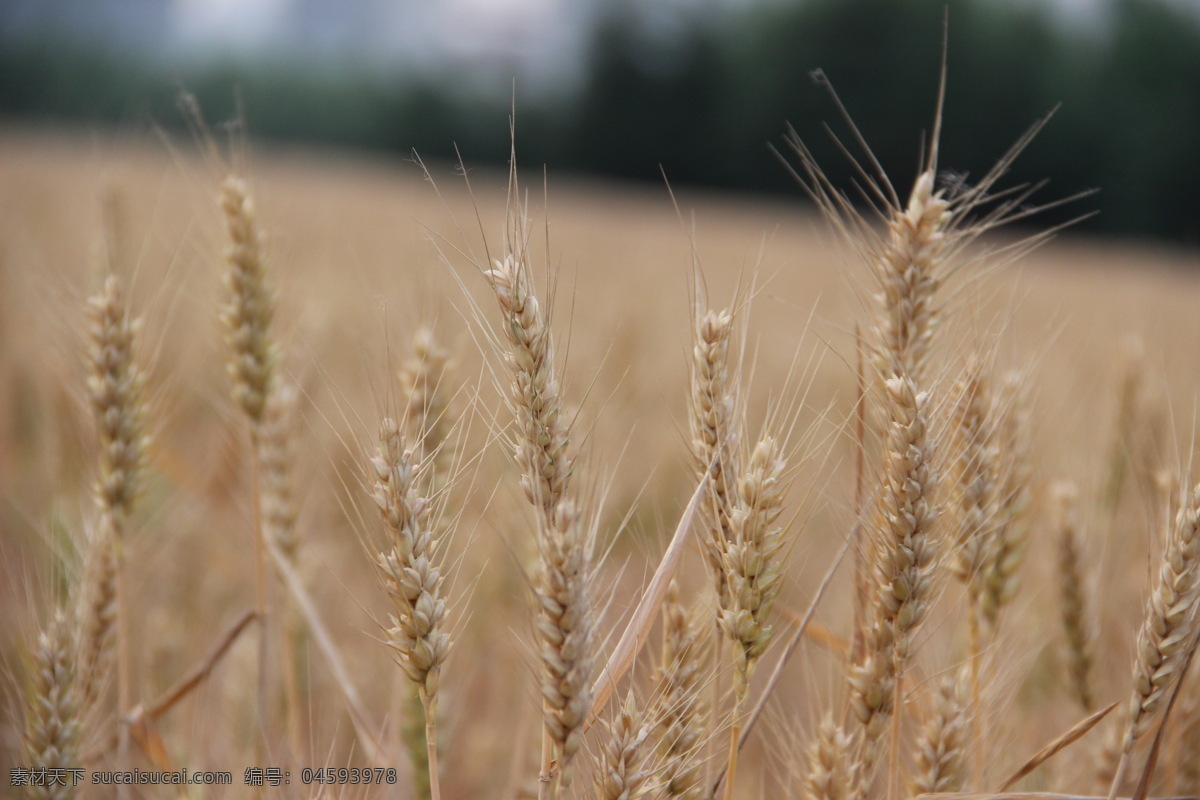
(422, 378)
(1012, 447)
(831, 774)
(752, 567)
(977, 484)
(623, 774)
(904, 558)
(564, 540)
(52, 728)
(1077, 612)
(412, 580)
(714, 437)
(427, 424)
(681, 703)
(97, 618)
(276, 453)
(115, 386)
(247, 315)
(1167, 629)
(251, 302)
(714, 446)
(941, 745)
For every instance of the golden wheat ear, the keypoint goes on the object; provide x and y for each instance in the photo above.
(680, 714)
(1168, 634)
(1077, 610)
(115, 385)
(940, 755)
(622, 772)
(52, 716)
(253, 355)
(831, 773)
(564, 533)
(409, 572)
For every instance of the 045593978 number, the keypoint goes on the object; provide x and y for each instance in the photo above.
(347, 775)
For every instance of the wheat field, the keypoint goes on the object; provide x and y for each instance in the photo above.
(525, 545)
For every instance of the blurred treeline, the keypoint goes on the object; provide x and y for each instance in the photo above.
(706, 96)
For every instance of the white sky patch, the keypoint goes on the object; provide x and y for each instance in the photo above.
(228, 24)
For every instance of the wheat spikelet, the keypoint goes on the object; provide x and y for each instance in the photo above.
(831, 774)
(940, 755)
(1188, 776)
(623, 774)
(250, 307)
(681, 708)
(52, 715)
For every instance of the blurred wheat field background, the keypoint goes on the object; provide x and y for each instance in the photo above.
(361, 255)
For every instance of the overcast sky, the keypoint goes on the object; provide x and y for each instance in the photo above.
(539, 41)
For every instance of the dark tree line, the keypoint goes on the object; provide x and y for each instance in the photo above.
(705, 103)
